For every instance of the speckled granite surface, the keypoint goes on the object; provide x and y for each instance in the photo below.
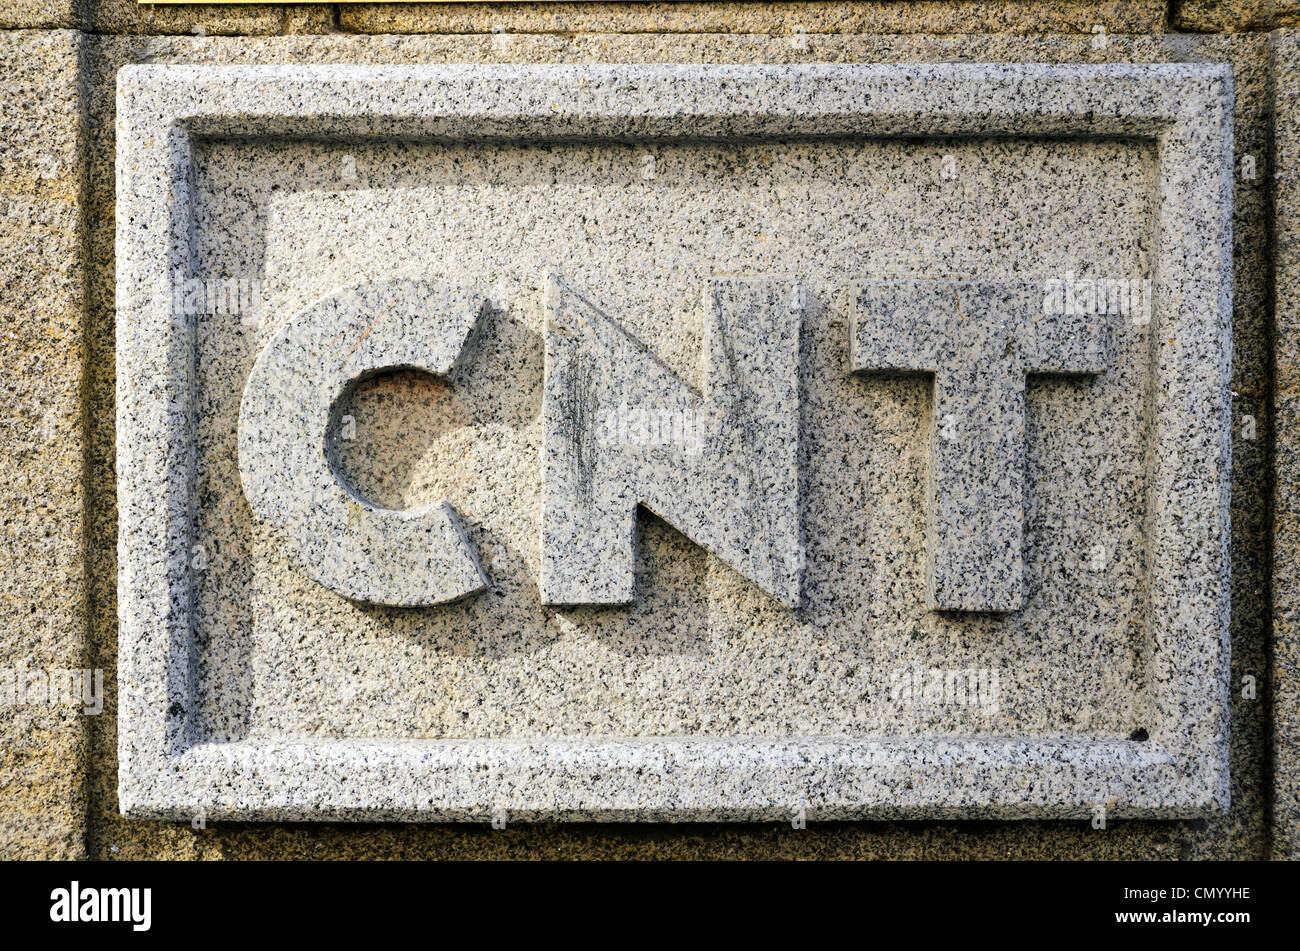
(43, 584)
(1286, 460)
(795, 20)
(870, 750)
(623, 431)
(43, 14)
(674, 16)
(1234, 835)
(241, 19)
(978, 342)
(1240, 833)
(289, 431)
(1211, 16)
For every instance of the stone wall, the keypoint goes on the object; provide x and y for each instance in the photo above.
(58, 491)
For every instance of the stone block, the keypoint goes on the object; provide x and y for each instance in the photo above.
(249, 690)
(43, 588)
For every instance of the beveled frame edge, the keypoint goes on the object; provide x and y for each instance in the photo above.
(1182, 771)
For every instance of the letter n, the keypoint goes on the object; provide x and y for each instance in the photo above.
(734, 490)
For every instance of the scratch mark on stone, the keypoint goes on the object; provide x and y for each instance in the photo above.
(366, 333)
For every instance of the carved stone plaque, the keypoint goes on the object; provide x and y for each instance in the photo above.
(673, 442)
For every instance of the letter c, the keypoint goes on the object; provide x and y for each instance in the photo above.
(360, 550)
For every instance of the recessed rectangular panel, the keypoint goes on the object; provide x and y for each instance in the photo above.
(688, 439)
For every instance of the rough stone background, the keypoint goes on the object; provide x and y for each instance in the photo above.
(1285, 697)
(57, 491)
(43, 422)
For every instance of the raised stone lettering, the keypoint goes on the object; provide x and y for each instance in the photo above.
(730, 481)
(358, 549)
(978, 340)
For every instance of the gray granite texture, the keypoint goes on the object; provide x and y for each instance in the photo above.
(522, 708)
(289, 431)
(43, 582)
(624, 431)
(435, 414)
(978, 342)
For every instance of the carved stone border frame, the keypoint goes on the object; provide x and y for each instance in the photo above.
(167, 771)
